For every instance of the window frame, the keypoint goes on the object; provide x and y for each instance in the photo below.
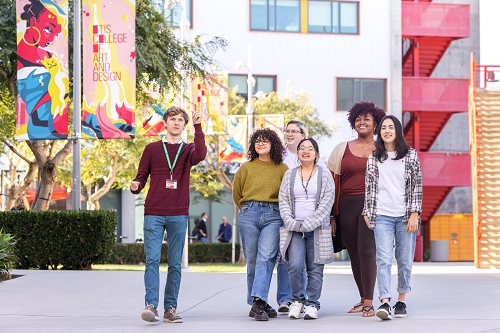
(189, 16)
(304, 19)
(339, 18)
(384, 80)
(275, 13)
(255, 88)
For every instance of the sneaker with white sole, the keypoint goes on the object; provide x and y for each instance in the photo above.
(295, 310)
(149, 313)
(284, 307)
(384, 311)
(172, 316)
(310, 312)
(400, 310)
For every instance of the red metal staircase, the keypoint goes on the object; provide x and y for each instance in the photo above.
(428, 102)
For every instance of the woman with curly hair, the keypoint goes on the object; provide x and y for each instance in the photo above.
(347, 164)
(255, 191)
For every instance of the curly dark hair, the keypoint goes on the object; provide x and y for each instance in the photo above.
(32, 10)
(276, 144)
(363, 108)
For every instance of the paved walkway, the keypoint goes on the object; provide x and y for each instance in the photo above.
(449, 297)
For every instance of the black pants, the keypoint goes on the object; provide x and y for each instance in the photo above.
(360, 243)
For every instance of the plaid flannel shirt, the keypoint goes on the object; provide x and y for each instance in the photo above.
(413, 187)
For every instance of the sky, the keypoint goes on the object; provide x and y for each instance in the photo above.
(489, 53)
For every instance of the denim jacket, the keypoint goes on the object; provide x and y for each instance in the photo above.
(413, 187)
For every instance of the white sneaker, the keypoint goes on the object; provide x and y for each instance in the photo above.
(310, 312)
(295, 310)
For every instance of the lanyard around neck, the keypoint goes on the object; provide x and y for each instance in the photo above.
(170, 165)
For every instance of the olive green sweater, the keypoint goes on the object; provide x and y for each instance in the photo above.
(258, 181)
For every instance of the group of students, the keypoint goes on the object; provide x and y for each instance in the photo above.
(292, 208)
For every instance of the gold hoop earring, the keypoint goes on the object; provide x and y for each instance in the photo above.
(39, 36)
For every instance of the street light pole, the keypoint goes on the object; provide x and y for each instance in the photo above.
(182, 27)
(76, 202)
(250, 83)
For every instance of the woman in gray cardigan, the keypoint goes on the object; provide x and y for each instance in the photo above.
(305, 201)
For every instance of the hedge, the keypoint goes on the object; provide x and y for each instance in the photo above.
(197, 253)
(73, 239)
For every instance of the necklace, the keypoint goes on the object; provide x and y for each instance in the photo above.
(365, 145)
(307, 183)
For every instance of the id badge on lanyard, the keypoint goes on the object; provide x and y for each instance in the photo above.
(171, 184)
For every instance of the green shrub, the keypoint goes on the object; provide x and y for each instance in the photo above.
(73, 239)
(7, 258)
(197, 253)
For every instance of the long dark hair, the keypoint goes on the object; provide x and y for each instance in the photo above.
(276, 144)
(314, 144)
(401, 146)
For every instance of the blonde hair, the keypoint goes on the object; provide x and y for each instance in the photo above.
(22, 201)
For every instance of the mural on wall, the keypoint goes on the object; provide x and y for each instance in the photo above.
(42, 70)
(108, 105)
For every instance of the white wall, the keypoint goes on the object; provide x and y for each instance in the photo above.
(489, 12)
(310, 62)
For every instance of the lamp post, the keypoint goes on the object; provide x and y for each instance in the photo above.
(250, 85)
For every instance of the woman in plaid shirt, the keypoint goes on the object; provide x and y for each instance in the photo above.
(393, 203)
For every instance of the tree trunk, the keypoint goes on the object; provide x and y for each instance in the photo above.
(47, 169)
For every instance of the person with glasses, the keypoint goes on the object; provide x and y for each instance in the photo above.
(305, 200)
(392, 208)
(295, 131)
(255, 191)
(347, 163)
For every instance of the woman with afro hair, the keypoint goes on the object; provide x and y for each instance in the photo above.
(255, 191)
(347, 163)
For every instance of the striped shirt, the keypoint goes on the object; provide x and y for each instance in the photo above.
(413, 187)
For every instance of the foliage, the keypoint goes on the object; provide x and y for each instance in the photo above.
(7, 258)
(210, 178)
(160, 56)
(74, 239)
(197, 253)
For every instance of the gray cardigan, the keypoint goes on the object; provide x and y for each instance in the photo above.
(319, 221)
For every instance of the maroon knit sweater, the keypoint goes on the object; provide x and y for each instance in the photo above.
(160, 200)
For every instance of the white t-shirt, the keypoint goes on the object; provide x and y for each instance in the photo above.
(391, 187)
(292, 161)
(305, 207)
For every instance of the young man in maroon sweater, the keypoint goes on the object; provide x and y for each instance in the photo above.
(168, 162)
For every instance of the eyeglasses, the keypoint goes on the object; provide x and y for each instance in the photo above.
(310, 149)
(262, 142)
(292, 132)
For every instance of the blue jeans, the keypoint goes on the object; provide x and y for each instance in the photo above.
(154, 228)
(300, 254)
(389, 231)
(259, 228)
(203, 240)
(283, 289)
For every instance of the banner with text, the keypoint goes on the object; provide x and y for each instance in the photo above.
(108, 106)
(42, 70)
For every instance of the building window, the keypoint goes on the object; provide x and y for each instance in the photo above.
(350, 91)
(335, 17)
(323, 16)
(275, 15)
(265, 83)
(173, 16)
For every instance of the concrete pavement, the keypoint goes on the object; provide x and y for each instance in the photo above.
(446, 297)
